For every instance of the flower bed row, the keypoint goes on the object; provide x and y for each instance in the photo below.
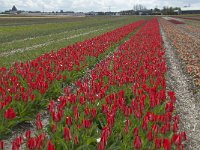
(187, 48)
(27, 87)
(122, 106)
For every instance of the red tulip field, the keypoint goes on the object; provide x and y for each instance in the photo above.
(113, 91)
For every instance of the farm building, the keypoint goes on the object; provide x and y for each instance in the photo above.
(190, 10)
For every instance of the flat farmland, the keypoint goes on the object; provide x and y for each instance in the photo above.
(106, 83)
(25, 38)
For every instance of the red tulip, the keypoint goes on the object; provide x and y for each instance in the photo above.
(53, 128)
(67, 134)
(2, 145)
(158, 143)
(10, 114)
(175, 127)
(137, 143)
(93, 112)
(150, 136)
(69, 121)
(82, 100)
(176, 118)
(39, 140)
(39, 125)
(15, 146)
(87, 123)
(167, 144)
(172, 96)
(183, 135)
(181, 147)
(28, 134)
(50, 146)
(177, 139)
(104, 138)
(169, 107)
(76, 140)
(76, 112)
(155, 128)
(136, 131)
(87, 111)
(32, 143)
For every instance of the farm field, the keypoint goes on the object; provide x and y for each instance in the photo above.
(43, 34)
(126, 82)
(192, 20)
(182, 44)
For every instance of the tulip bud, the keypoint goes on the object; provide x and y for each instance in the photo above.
(175, 127)
(69, 121)
(53, 128)
(50, 146)
(10, 114)
(76, 140)
(31, 143)
(94, 112)
(150, 136)
(167, 144)
(67, 134)
(158, 143)
(136, 131)
(137, 143)
(2, 145)
(28, 134)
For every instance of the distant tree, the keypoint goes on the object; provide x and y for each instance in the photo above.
(139, 7)
(156, 10)
(14, 8)
(170, 10)
(101, 13)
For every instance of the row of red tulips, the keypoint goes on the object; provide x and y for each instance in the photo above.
(122, 106)
(27, 87)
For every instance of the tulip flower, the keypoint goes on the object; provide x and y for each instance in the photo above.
(87, 123)
(53, 128)
(69, 121)
(169, 107)
(137, 143)
(76, 140)
(136, 131)
(158, 143)
(177, 139)
(175, 127)
(67, 134)
(28, 134)
(50, 146)
(10, 114)
(2, 145)
(32, 143)
(39, 125)
(150, 136)
(167, 144)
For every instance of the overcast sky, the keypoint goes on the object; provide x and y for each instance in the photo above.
(92, 5)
